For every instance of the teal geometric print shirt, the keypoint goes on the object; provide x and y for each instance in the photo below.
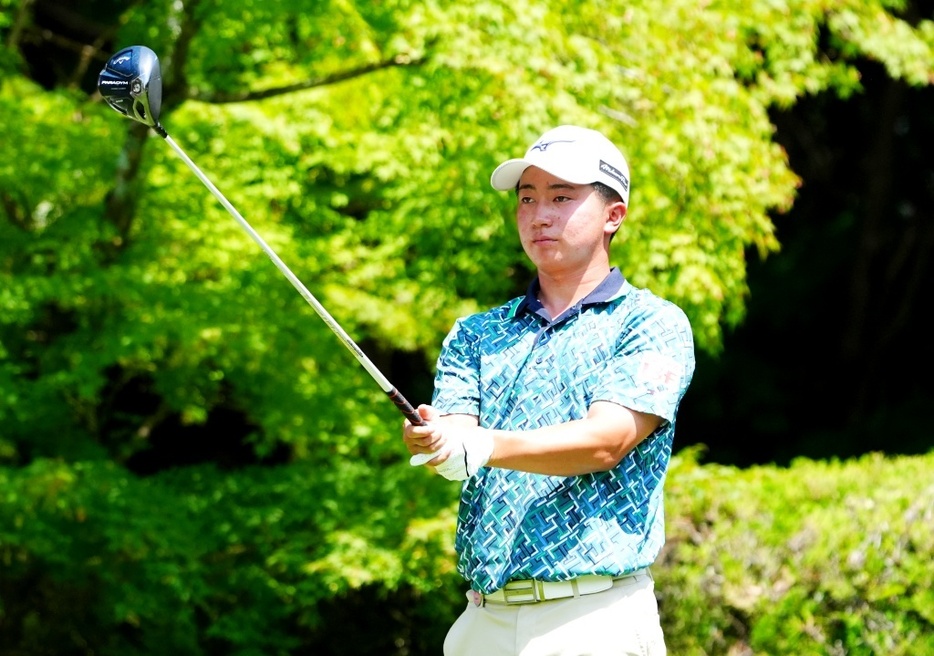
(517, 369)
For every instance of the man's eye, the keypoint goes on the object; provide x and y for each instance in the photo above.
(562, 199)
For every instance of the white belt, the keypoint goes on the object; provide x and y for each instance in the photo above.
(532, 591)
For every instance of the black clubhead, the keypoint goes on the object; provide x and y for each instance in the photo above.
(131, 83)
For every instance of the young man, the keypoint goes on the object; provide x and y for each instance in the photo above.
(558, 409)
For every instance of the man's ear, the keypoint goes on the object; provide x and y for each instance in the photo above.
(615, 215)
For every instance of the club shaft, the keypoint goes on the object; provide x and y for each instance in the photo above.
(401, 403)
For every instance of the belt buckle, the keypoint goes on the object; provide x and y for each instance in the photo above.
(525, 588)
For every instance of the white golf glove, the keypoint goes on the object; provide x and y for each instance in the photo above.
(465, 457)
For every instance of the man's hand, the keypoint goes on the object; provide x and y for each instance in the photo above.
(460, 447)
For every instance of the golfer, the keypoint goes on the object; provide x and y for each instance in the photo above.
(557, 410)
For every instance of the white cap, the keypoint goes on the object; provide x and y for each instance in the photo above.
(574, 154)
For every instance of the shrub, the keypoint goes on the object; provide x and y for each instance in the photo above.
(820, 558)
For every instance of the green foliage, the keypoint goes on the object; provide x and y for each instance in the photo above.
(819, 558)
(120, 271)
(130, 301)
(822, 558)
(199, 559)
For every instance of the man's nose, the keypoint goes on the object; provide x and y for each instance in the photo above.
(544, 216)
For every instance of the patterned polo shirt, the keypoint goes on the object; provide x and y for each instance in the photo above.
(516, 368)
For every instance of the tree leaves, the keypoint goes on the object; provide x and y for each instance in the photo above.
(358, 140)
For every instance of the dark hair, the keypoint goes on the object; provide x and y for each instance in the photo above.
(607, 193)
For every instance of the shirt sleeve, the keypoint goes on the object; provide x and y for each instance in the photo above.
(653, 363)
(457, 378)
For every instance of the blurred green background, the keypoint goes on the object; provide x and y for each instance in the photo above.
(191, 463)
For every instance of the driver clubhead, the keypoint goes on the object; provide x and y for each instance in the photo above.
(131, 83)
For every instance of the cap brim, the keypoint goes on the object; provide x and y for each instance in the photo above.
(506, 176)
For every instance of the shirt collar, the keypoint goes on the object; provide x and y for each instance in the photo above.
(610, 288)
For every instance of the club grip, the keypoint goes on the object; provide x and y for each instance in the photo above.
(405, 407)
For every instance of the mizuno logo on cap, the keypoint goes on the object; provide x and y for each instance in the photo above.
(543, 145)
(614, 173)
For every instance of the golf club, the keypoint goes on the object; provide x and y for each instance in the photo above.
(131, 83)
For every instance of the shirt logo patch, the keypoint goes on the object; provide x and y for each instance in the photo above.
(658, 372)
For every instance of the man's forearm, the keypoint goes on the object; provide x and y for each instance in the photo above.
(583, 446)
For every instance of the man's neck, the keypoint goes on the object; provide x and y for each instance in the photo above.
(558, 293)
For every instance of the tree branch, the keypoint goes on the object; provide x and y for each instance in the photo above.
(19, 24)
(175, 68)
(92, 51)
(245, 96)
(121, 202)
(15, 209)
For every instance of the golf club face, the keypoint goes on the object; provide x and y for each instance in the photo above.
(131, 83)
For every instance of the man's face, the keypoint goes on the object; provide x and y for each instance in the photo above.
(564, 227)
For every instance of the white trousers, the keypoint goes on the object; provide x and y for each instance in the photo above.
(621, 621)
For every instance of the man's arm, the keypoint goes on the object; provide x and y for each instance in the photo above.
(596, 443)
